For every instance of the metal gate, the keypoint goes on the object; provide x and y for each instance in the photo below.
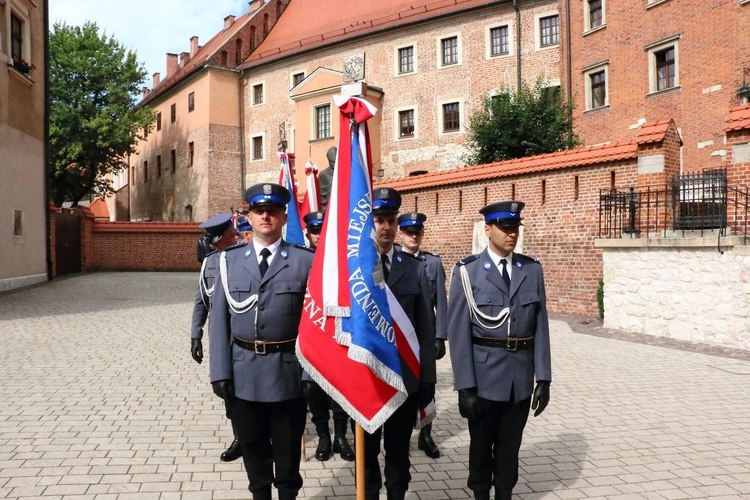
(67, 243)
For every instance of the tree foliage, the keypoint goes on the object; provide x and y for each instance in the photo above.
(94, 124)
(519, 123)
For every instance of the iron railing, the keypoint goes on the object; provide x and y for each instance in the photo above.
(695, 203)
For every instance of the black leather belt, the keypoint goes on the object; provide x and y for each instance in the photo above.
(511, 343)
(262, 347)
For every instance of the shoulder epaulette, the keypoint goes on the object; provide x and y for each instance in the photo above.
(412, 256)
(210, 253)
(430, 253)
(302, 247)
(525, 257)
(470, 258)
(233, 247)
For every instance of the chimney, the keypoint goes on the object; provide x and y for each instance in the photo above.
(194, 46)
(184, 58)
(157, 79)
(171, 64)
(254, 5)
(228, 21)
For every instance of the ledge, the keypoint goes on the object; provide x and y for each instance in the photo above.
(657, 93)
(711, 241)
(22, 77)
(594, 30)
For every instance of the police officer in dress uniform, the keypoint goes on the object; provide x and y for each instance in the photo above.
(319, 401)
(407, 279)
(243, 229)
(219, 234)
(253, 330)
(411, 225)
(498, 333)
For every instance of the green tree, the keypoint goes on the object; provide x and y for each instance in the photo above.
(519, 123)
(94, 124)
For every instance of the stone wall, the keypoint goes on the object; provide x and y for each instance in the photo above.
(679, 288)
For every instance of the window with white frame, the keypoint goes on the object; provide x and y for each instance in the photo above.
(596, 90)
(405, 60)
(406, 124)
(549, 31)
(297, 78)
(451, 117)
(449, 48)
(664, 65)
(258, 94)
(257, 148)
(322, 125)
(593, 14)
(19, 33)
(499, 41)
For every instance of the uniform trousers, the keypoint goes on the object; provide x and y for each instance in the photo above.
(270, 436)
(495, 442)
(320, 403)
(396, 433)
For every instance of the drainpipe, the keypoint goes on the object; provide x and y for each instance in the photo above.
(568, 63)
(518, 45)
(47, 153)
(242, 134)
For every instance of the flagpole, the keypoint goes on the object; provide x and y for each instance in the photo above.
(359, 462)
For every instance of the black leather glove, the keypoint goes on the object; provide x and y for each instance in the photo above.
(439, 348)
(426, 393)
(224, 389)
(196, 350)
(308, 390)
(468, 403)
(541, 397)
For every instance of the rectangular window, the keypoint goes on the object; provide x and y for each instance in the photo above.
(16, 37)
(451, 117)
(596, 13)
(145, 132)
(145, 171)
(158, 166)
(549, 28)
(665, 68)
(17, 222)
(576, 187)
(323, 121)
(258, 148)
(191, 102)
(172, 113)
(258, 94)
(544, 191)
(598, 89)
(406, 123)
(406, 60)
(158, 120)
(499, 45)
(191, 153)
(173, 160)
(297, 79)
(449, 50)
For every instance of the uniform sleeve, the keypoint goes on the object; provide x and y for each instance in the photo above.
(219, 336)
(459, 335)
(425, 328)
(200, 313)
(441, 304)
(542, 357)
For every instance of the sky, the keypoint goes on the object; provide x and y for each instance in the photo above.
(151, 28)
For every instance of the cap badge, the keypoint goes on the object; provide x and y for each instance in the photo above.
(514, 207)
(383, 192)
(413, 216)
(267, 189)
(487, 264)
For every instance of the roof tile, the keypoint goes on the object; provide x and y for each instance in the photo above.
(738, 118)
(653, 132)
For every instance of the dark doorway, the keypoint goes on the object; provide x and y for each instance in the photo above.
(67, 243)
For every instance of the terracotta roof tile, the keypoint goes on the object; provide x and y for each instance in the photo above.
(99, 208)
(653, 132)
(307, 24)
(587, 155)
(145, 227)
(738, 118)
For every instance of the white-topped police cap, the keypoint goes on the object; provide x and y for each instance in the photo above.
(216, 225)
(411, 220)
(242, 224)
(267, 193)
(504, 213)
(385, 200)
(314, 219)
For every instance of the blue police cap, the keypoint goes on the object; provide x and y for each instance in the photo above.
(385, 200)
(242, 224)
(216, 225)
(267, 193)
(503, 213)
(314, 219)
(411, 220)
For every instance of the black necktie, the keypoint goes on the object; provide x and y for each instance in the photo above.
(265, 253)
(384, 263)
(506, 276)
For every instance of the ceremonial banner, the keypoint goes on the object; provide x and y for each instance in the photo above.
(311, 202)
(354, 338)
(293, 233)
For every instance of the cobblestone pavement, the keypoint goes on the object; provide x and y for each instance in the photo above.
(99, 398)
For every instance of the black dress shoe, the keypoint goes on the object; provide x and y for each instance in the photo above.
(323, 452)
(233, 452)
(341, 446)
(426, 444)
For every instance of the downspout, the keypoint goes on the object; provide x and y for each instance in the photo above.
(568, 63)
(242, 134)
(47, 155)
(518, 45)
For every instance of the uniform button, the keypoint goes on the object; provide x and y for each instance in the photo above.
(236, 287)
(260, 326)
(262, 289)
(261, 308)
(489, 300)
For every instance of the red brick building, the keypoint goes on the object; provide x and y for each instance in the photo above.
(625, 63)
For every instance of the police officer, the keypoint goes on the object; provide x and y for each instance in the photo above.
(498, 333)
(411, 225)
(320, 403)
(253, 330)
(407, 279)
(218, 232)
(243, 229)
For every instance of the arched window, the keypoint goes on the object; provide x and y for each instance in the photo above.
(189, 213)
(224, 57)
(238, 51)
(265, 24)
(252, 38)
(278, 9)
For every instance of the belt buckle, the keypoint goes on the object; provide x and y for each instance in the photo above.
(512, 344)
(262, 350)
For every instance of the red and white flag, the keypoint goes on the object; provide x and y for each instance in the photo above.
(311, 201)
